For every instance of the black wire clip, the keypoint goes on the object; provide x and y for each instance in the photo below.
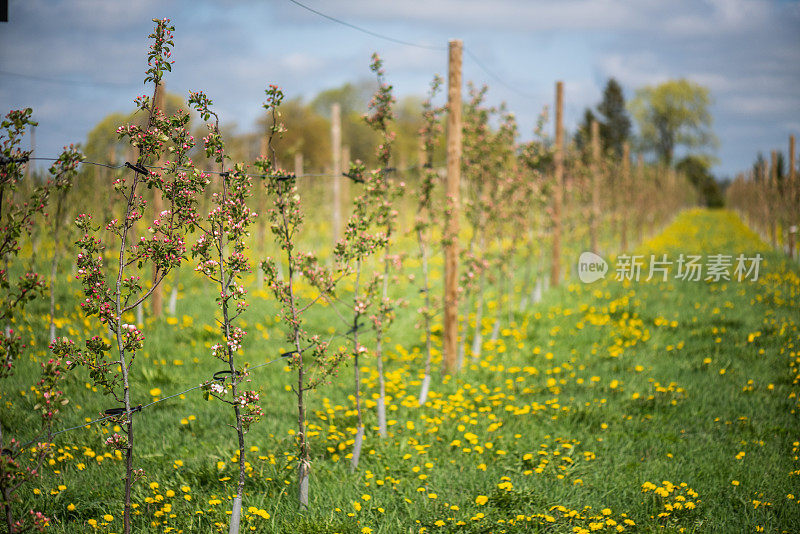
(4, 160)
(137, 167)
(121, 411)
(221, 375)
(353, 177)
(354, 329)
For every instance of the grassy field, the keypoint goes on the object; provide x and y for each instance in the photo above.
(607, 407)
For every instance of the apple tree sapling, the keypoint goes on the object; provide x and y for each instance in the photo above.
(63, 172)
(221, 252)
(19, 465)
(385, 191)
(313, 359)
(367, 232)
(113, 290)
(430, 132)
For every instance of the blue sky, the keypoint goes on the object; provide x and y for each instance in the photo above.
(746, 51)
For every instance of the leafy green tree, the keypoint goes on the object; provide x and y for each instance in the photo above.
(408, 123)
(674, 113)
(310, 136)
(104, 144)
(760, 167)
(353, 99)
(583, 137)
(696, 169)
(615, 124)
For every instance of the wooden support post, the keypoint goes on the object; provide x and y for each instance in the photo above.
(640, 199)
(627, 197)
(595, 185)
(30, 168)
(345, 159)
(298, 164)
(453, 206)
(792, 198)
(336, 169)
(558, 189)
(772, 189)
(345, 190)
(763, 198)
(158, 207)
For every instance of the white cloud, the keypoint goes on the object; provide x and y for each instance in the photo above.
(745, 51)
(750, 105)
(634, 69)
(301, 63)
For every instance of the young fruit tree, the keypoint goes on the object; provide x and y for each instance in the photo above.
(112, 290)
(386, 192)
(430, 132)
(221, 252)
(312, 358)
(19, 463)
(63, 172)
(367, 232)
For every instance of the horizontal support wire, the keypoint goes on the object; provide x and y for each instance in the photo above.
(136, 168)
(140, 407)
(469, 54)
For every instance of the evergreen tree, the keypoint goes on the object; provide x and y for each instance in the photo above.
(615, 124)
(583, 137)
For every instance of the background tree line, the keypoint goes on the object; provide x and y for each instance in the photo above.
(673, 128)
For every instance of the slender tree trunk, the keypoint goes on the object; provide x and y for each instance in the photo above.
(477, 340)
(9, 516)
(226, 325)
(124, 369)
(426, 380)
(54, 265)
(304, 462)
(466, 304)
(379, 351)
(528, 276)
(360, 430)
(173, 296)
(464, 301)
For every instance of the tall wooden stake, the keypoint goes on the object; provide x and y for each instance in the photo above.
(345, 190)
(298, 164)
(773, 189)
(627, 194)
(158, 207)
(640, 199)
(336, 170)
(558, 193)
(33, 150)
(595, 184)
(793, 192)
(453, 205)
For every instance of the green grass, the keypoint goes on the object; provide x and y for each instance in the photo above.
(558, 429)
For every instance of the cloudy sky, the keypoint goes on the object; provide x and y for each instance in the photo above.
(76, 61)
